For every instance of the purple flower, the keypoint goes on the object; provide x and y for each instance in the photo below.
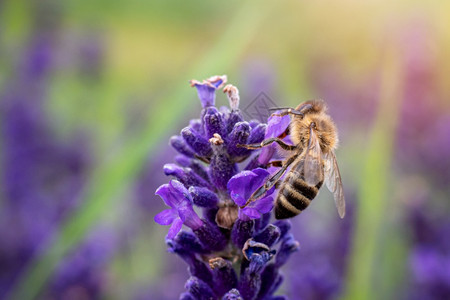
(207, 89)
(178, 198)
(276, 127)
(242, 186)
(227, 237)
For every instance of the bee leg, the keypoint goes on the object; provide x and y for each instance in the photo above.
(256, 195)
(273, 180)
(250, 146)
(270, 182)
(268, 142)
(277, 185)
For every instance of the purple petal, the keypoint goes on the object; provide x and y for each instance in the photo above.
(174, 193)
(258, 180)
(277, 125)
(233, 118)
(224, 275)
(196, 124)
(264, 205)
(206, 90)
(175, 228)
(266, 154)
(238, 186)
(179, 189)
(242, 231)
(199, 289)
(261, 173)
(269, 235)
(187, 176)
(189, 217)
(239, 135)
(242, 185)
(242, 216)
(214, 122)
(251, 212)
(210, 236)
(206, 94)
(288, 140)
(196, 141)
(203, 197)
(178, 143)
(221, 168)
(257, 134)
(166, 217)
(163, 192)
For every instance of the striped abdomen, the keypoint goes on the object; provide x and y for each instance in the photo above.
(294, 195)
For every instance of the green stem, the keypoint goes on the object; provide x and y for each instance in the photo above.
(373, 192)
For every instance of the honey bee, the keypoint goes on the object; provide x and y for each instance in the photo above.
(311, 160)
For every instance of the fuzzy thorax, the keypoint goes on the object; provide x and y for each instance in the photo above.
(325, 130)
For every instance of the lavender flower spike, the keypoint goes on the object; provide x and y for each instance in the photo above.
(209, 174)
(207, 89)
(178, 198)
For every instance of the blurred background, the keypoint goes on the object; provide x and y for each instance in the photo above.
(91, 91)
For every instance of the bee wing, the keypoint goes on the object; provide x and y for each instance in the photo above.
(333, 182)
(312, 167)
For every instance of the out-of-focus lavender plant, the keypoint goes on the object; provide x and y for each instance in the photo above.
(320, 269)
(43, 177)
(423, 144)
(429, 258)
(232, 253)
(83, 274)
(423, 138)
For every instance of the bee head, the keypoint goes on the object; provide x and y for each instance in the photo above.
(312, 106)
(323, 126)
